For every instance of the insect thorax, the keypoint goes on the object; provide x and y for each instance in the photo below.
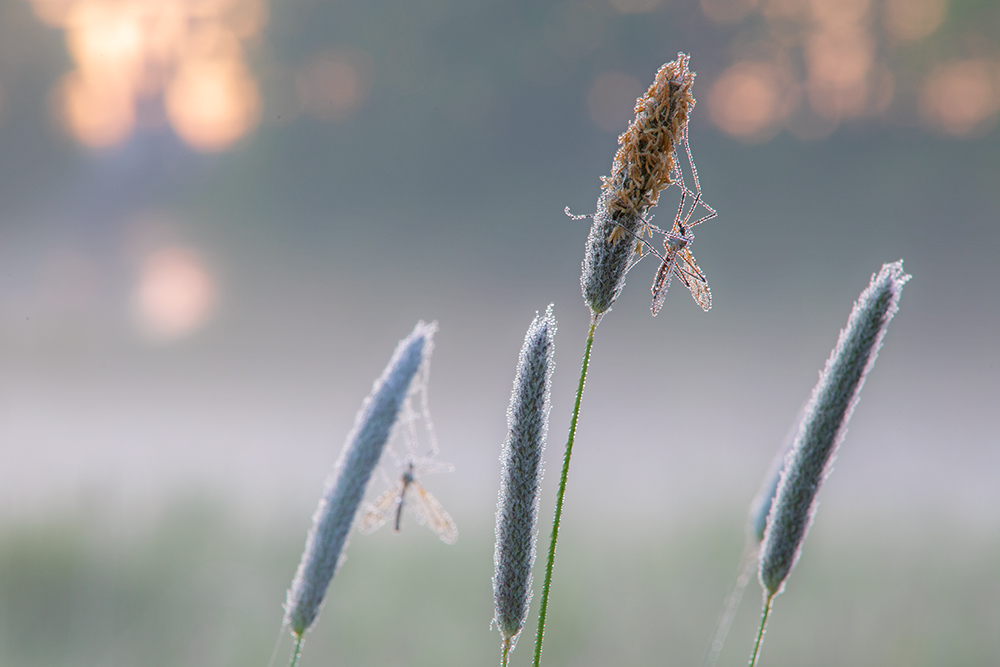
(674, 243)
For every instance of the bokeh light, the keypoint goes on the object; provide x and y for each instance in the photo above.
(99, 113)
(175, 294)
(211, 104)
(840, 14)
(961, 97)
(783, 9)
(612, 99)
(333, 84)
(839, 63)
(853, 59)
(52, 12)
(727, 11)
(750, 100)
(913, 19)
(189, 53)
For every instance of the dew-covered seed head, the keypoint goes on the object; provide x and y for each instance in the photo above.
(643, 166)
(346, 484)
(825, 423)
(520, 478)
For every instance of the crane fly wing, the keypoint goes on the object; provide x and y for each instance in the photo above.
(428, 510)
(427, 465)
(661, 283)
(378, 512)
(693, 278)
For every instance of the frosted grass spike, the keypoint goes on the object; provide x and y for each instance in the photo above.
(345, 487)
(825, 423)
(520, 478)
(646, 163)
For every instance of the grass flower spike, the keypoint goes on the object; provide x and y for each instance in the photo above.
(346, 485)
(822, 429)
(645, 164)
(520, 478)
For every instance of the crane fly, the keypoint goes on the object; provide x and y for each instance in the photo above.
(411, 494)
(677, 259)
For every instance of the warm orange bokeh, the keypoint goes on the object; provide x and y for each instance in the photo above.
(211, 104)
(191, 54)
(913, 19)
(99, 113)
(175, 294)
(784, 9)
(839, 63)
(750, 100)
(727, 11)
(333, 84)
(839, 53)
(840, 14)
(962, 97)
(830, 50)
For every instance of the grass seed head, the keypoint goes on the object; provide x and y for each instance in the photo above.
(521, 474)
(345, 487)
(644, 165)
(825, 423)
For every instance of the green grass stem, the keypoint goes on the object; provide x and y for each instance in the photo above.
(768, 601)
(561, 493)
(505, 652)
(298, 649)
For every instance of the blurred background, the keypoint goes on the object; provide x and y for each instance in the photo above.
(218, 217)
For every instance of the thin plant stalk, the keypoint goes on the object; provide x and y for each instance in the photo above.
(561, 493)
(644, 165)
(297, 651)
(747, 567)
(768, 603)
(760, 507)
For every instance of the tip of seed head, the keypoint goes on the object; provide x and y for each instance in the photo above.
(645, 160)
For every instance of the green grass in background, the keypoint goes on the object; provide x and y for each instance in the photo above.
(201, 585)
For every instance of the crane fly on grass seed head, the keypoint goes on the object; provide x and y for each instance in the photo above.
(411, 494)
(677, 259)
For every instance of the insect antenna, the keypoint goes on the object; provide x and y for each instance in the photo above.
(577, 217)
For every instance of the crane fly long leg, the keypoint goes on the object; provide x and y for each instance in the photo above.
(687, 224)
(428, 510)
(708, 216)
